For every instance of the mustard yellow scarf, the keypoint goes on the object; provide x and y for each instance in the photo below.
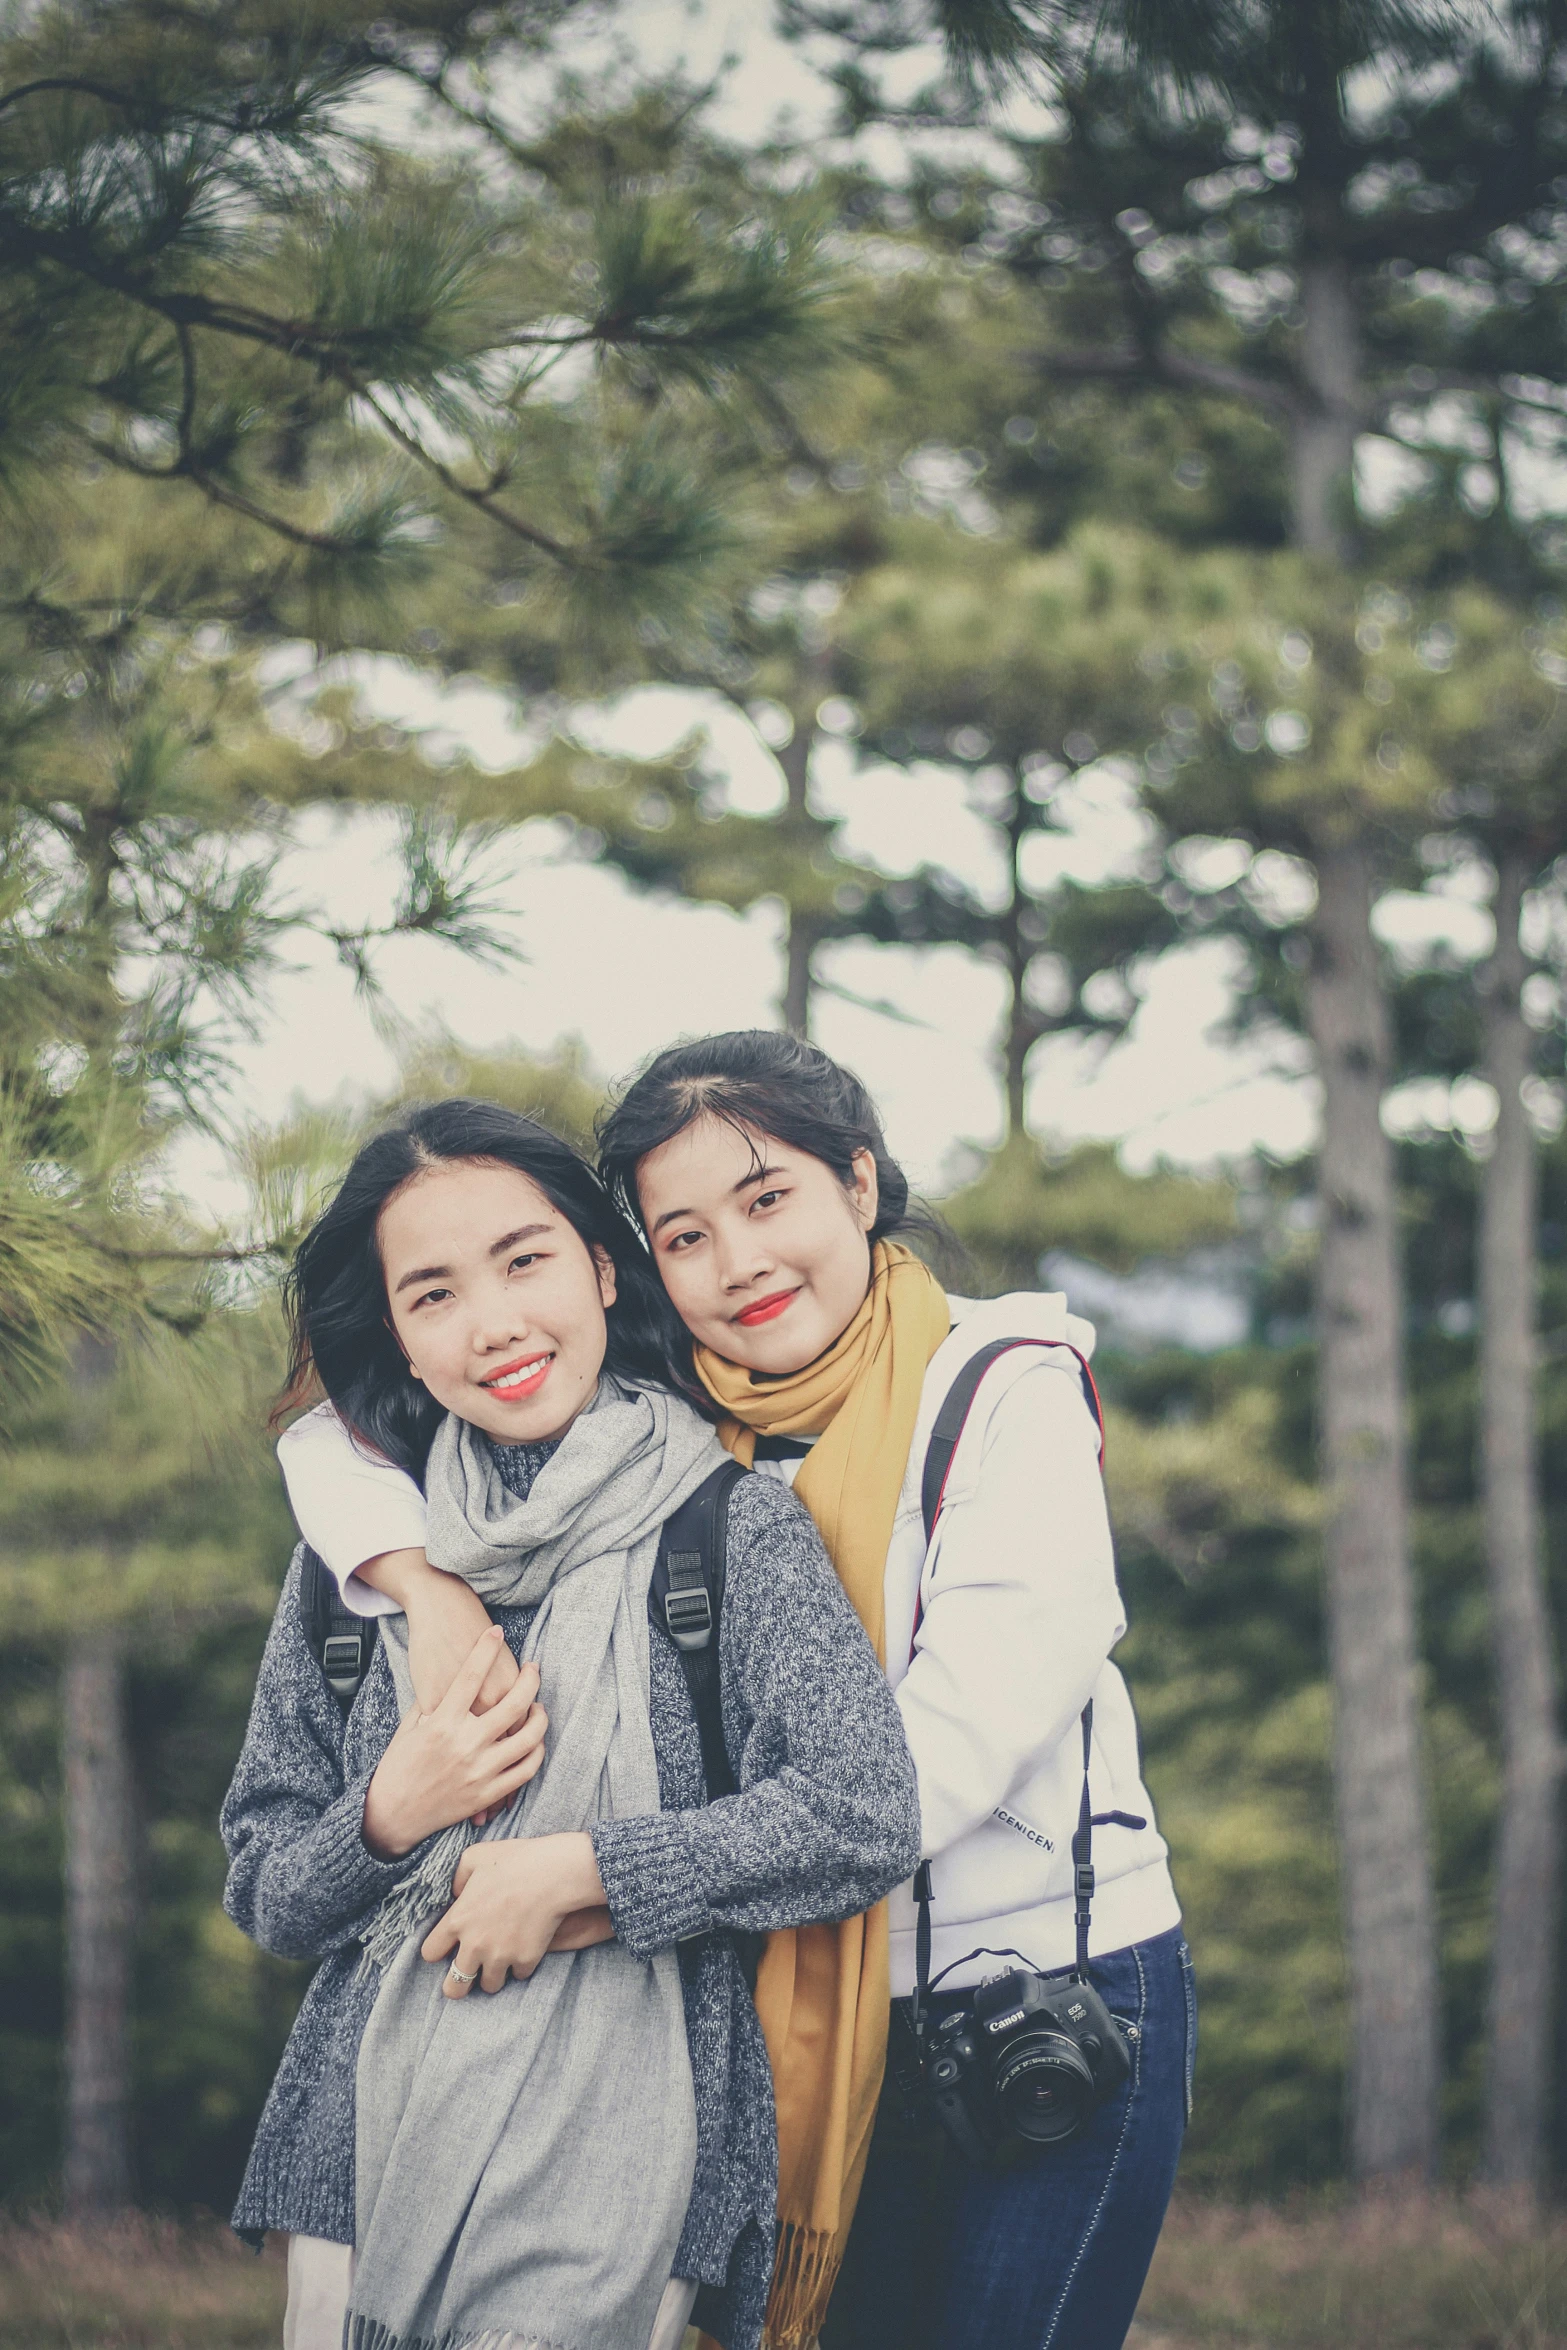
(822, 1991)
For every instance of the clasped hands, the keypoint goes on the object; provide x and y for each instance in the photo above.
(514, 1901)
(448, 1761)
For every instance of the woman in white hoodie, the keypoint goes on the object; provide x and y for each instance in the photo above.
(1006, 2187)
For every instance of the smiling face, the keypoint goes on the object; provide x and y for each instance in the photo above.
(764, 1253)
(495, 1298)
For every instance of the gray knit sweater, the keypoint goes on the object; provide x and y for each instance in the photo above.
(826, 1821)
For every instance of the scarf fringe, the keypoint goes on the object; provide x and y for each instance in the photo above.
(805, 2271)
(421, 1895)
(369, 2333)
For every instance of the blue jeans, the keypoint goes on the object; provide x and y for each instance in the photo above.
(1051, 2254)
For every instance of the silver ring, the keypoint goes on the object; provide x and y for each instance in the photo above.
(457, 1975)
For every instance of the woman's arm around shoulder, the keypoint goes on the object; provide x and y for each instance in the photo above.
(1021, 1608)
(365, 1521)
(350, 1505)
(827, 1819)
(301, 1879)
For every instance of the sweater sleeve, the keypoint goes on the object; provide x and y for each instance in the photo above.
(349, 1504)
(302, 1881)
(826, 1820)
(1021, 1607)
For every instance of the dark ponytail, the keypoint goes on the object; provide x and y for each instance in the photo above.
(335, 1294)
(760, 1081)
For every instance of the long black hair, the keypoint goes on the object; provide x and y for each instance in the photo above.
(335, 1294)
(759, 1081)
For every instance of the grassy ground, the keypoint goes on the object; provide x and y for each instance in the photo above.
(1433, 2275)
(1429, 2276)
(140, 2285)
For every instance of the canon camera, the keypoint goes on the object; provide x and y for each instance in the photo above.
(1024, 2063)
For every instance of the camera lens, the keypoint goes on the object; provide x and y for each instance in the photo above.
(1044, 2087)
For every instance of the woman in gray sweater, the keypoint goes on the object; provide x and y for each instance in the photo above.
(588, 2144)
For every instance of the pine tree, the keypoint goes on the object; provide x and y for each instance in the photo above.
(1467, 521)
(136, 1512)
(771, 649)
(1285, 212)
(1386, 705)
(501, 389)
(1023, 1204)
(1507, 798)
(542, 337)
(143, 796)
(1014, 668)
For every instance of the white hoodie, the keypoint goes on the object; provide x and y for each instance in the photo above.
(1018, 1612)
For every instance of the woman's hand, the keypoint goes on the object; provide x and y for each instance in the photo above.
(445, 1618)
(514, 1901)
(579, 1929)
(448, 1764)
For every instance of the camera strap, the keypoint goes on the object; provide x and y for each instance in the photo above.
(948, 1428)
(1083, 1851)
(1082, 1883)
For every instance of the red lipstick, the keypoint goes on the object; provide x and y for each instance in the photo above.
(766, 1308)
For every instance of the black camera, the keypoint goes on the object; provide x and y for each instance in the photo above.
(1023, 2064)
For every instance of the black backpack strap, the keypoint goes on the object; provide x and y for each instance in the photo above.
(341, 1642)
(955, 1408)
(685, 1600)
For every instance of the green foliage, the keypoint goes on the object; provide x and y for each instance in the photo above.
(1031, 648)
(1215, 1528)
(1210, 1465)
(508, 390)
(212, 2012)
(143, 801)
(217, 278)
(140, 1491)
(1024, 1203)
(135, 1489)
(1000, 661)
(662, 824)
(1311, 709)
(559, 1091)
(1145, 246)
(1216, 1525)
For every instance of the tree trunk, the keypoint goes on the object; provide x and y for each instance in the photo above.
(99, 1919)
(1018, 1045)
(799, 945)
(1521, 1995)
(1021, 1033)
(800, 938)
(1385, 1859)
(1324, 430)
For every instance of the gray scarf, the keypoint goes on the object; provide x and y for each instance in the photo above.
(524, 2160)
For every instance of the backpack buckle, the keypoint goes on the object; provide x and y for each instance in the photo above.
(342, 1661)
(689, 1616)
(688, 1606)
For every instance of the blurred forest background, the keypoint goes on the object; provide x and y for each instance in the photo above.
(1131, 399)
